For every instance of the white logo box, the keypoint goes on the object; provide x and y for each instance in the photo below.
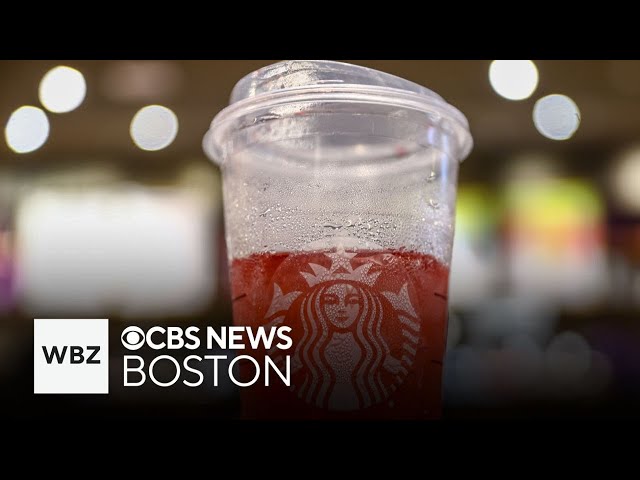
(81, 367)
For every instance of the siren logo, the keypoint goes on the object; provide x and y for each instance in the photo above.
(70, 356)
(357, 341)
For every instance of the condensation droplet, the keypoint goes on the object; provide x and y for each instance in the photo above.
(333, 226)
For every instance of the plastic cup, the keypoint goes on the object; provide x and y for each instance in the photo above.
(339, 189)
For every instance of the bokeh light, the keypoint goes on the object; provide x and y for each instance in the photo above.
(62, 89)
(625, 180)
(27, 129)
(513, 79)
(154, 127)
(556, 117)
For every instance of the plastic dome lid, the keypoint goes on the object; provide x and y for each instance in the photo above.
(291, 80)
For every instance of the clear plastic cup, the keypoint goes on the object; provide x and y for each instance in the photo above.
(339, 189)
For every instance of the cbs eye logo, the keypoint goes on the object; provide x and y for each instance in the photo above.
(132, 338)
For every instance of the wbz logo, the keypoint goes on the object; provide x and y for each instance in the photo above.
(76, 354)
(71, 356)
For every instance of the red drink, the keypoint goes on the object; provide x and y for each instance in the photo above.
(368, 331)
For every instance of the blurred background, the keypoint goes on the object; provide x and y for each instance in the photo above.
(109, 209)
